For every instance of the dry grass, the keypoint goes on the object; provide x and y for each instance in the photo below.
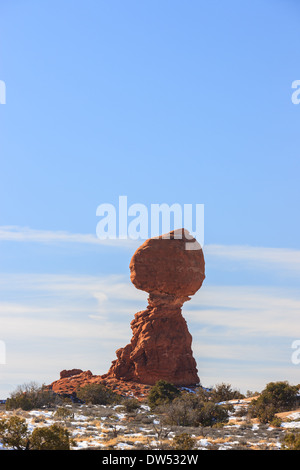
(103, 427)
(285, 414)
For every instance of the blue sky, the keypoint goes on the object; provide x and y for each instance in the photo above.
(164, 102)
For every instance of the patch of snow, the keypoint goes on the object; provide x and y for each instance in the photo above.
(203, 442)
(39, 413)
(229, 402)
(295, 415)
(75, 424)
(146, 430)
(77, 432)
(79, 417)
(145, 407)
(188, 389)
(120, 428)
(124, 446)
(82, 445)
(234, 443)
(120, 415)
(292, 424)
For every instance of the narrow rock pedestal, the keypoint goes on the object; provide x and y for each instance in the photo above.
(171, 269)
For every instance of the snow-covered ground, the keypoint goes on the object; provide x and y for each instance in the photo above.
(112, 428)
(292, 421)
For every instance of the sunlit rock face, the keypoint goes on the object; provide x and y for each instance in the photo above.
(171, 268)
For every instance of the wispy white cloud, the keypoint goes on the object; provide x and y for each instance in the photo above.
(263, 256)
(234, 351)
(248, 310)
(80, 321)
(15, 233)
(112, 301)
(52, 322)
(89, 316)
(103, 307)
(64, 305)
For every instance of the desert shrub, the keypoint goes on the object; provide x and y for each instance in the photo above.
(212, 414)
(97, 394)
(188, 410)
(240, 412)
(182, 411)
(224, 392)
(19, 401)
(14, 432)
(183, 442)
(263, 410)
(30, 396)
(131, 404)
(100, 412)
(63, 413)
(203, 394)
(52, 437)
(276, 422)
(162, 392)
(276, 397)
(291, 441)
(281, 395)
(250, 394)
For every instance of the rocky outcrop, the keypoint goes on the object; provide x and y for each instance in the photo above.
(69, 385)
(171, 269)
(69, 373)
(160, 347)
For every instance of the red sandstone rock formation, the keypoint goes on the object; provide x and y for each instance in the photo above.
(71, 380)
(69, 373)
(160, 347)
(70, 384)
